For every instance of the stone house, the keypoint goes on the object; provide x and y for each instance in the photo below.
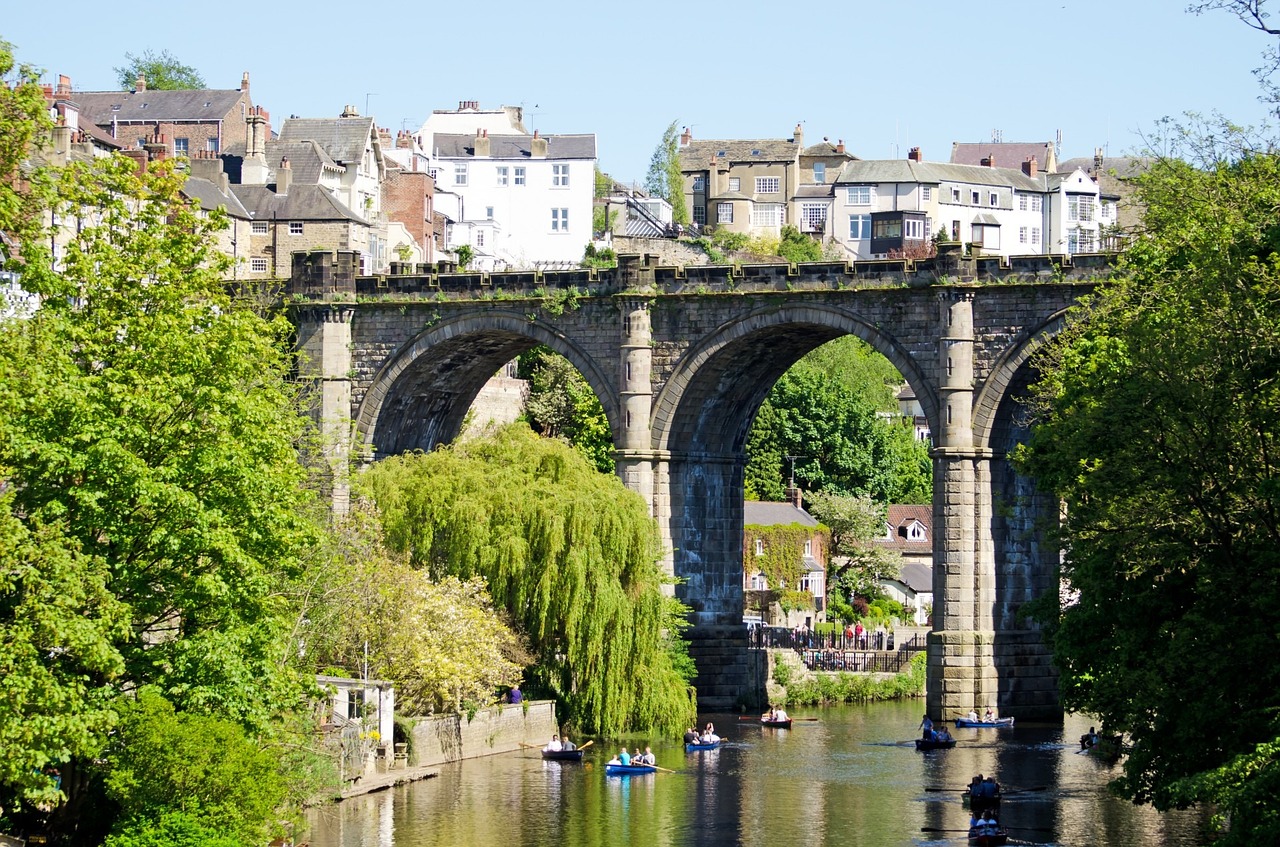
(742, 185)
(408, 196)
(907, 532)
(785, 551)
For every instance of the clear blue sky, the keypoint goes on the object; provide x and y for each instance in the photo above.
(882, 76)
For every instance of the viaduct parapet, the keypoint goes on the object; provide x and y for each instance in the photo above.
(681, 359)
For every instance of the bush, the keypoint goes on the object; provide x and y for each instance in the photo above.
(826, 689)
(172, 829)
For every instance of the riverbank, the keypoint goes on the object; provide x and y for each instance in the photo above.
(792, 684)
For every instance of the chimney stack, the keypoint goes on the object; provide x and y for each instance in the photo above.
(794, 496)
(1030, 167)
(244, 81)
(157, 147)
(284, 176)
(840, 146)
(254, 169)
(988, 161)
(140, 84)
(208, 166)
(64, 86)
(797, 135)
(686, 137)
(473, 105)
(537, 146)
(1097, 161)
(913, 154)
(61, 143)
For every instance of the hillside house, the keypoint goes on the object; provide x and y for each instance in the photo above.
(784, 555)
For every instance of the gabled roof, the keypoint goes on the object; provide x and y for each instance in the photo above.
(900, 518)
(307, 159)
(100, 107)
(825, 149)
(935, 173)
(1008, 154)
(302, 203)
(456, 146)
(762, 513)
(344, 139)
(210, 197)
(696, 155)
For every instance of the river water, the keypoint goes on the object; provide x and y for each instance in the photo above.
(850, 777)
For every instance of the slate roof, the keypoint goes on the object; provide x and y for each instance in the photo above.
(302, 203)
(211, 197)
(824, 149)
(155, 105)
(462, 145)
(812, 191)
(934, 173)
(307, 160)
(344, 139)
(762, 513)
(696, 155)
(917, 577)
(1008, 154)
(1116, 174)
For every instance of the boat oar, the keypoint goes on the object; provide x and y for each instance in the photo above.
(531, 746)
(664, 770)
(588, 744)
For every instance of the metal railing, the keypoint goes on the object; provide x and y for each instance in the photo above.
(872, 652)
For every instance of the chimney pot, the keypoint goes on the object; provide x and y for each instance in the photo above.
(1030, 167)
(244, 81)
(915, 154)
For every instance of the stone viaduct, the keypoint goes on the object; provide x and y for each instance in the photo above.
(681, 359)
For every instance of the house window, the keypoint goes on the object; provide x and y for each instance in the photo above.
(699, 184)
(955, 230)
(519, 176)
(913, 228)
(955, 195)
(258, 228)
(926, 193)
(767, 214)
(180, 146)
(559, 220)
(814, 217)
(859, 227)
(258, 266)
(724, 213)
(488, 213)
(1022, 235)
(993, 199)
(975, 197)
(560, 176)
(459, 174)
(986, 235)
(768, 185)
(1035, 202)
(759, 546)
(211, 144)
(699, 214)
(819, 172)
(859, 195)
(1079, 208)
(889, 228)
(735, 183)
(1079, 240)
(915, 532)
(503, 175)
(295, 227)
(1022, 202)
(808, 547)
(479, 237)
(758, 581)
(1035, 235)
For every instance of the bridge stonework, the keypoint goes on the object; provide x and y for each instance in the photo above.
(681, 359)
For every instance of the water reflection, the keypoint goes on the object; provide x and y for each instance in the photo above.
(852, 777)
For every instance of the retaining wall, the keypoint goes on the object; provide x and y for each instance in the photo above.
(497, 729)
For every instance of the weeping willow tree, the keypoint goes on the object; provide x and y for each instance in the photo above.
(569, 552)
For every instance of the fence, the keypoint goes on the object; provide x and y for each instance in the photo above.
(872, 652)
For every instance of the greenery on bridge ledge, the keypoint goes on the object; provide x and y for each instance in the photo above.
(824, 688)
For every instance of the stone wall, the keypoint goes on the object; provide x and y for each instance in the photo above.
(668, 251)
(497, 729)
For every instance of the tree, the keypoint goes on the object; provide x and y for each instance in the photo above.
(1158, 422)
(1254, 14)
(24, 118)
(858, 563)
(824, 410)
(160, 70)
(570, 555)
(664, 178)
(561, 404)
(795, 246)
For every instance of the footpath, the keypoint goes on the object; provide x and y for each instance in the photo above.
(389, 779)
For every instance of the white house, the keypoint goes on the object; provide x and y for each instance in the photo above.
(907, 532)
(893, 208)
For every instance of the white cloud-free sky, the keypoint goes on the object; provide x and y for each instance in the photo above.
(883, 76)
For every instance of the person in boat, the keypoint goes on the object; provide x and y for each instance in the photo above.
(769, 715)
(567, 745)
(647, 757)
(709, 734)
(942, 734)
(623, 757)
(990, 788)
(554, 745)
(989, 822)
(973, 715)
(927, 726)
(780, 714)
(975, 787)
(1089, 739)
(691, 736)
(990, 715)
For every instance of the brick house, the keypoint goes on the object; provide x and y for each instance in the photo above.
(784, 551)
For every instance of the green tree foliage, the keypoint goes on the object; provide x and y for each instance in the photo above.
(795, 246)
(561, 404)
(824, 409)
(24, 118)
(161, 69)
(1159, 427)
(857, 563)
(568, 552)
(664, 178)
(439, 641)
(201, 767)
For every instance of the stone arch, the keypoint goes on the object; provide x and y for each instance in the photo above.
(420, 396)
(756, 351)
(991, 407)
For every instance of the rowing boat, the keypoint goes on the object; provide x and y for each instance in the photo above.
(562, 755)
(980, 801)
(612, 769)
(930, 744)
(995, 723)
(696, 748)
(985, 837)
(786, 724)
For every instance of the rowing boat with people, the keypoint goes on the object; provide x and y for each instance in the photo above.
(612, 769)
(562, 755)
(700, 746)
(984, 836)
(994, 723)
(782, 724)
(934, 744)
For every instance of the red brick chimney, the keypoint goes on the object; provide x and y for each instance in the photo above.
(988, 161)
(840, 146)
(64, 86)
(1031, 167)
(686, 137)
(915, 155)
(794, 496)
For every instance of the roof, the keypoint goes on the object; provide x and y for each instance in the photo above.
(1007, 153)
(458, 145)
(696, 155)
(814, 191)
(763, 513)
(917, 577)
(307, 160)
(825, 148)
(934, 173)
(302, 203)
(101, 107)
(344, 139)
(211, 197)
(902, 516)
(985, 219)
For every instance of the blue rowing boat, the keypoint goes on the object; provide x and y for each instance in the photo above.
(997, 723)
(932, 744)
(696, 748)
(612, 769)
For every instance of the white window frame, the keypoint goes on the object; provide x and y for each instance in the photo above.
(759, 546)
(1022, 235)
(181, 146)
(260, 228)
(975, 198)
(955, 195)
(768, 185)
(258, 265)
(767, 214)
(815, 215)
(724, 213)
(519, 175)
(1036, 202)
(1035, 235)
(858, 225)
(819, 173)
(212, 144)
(459, 174)
(295, 228)
(559, 176)
(503, 175)
(913, 228)
(994, 199)
(860, 195)
(479, 237)
(926, 194)
(699, 184)
(808, 546)
(1022, 202)
(735, 183)
(560, 220)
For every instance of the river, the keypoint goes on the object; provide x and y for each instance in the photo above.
(849, 776)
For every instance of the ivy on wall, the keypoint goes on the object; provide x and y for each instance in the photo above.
(782, 560)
